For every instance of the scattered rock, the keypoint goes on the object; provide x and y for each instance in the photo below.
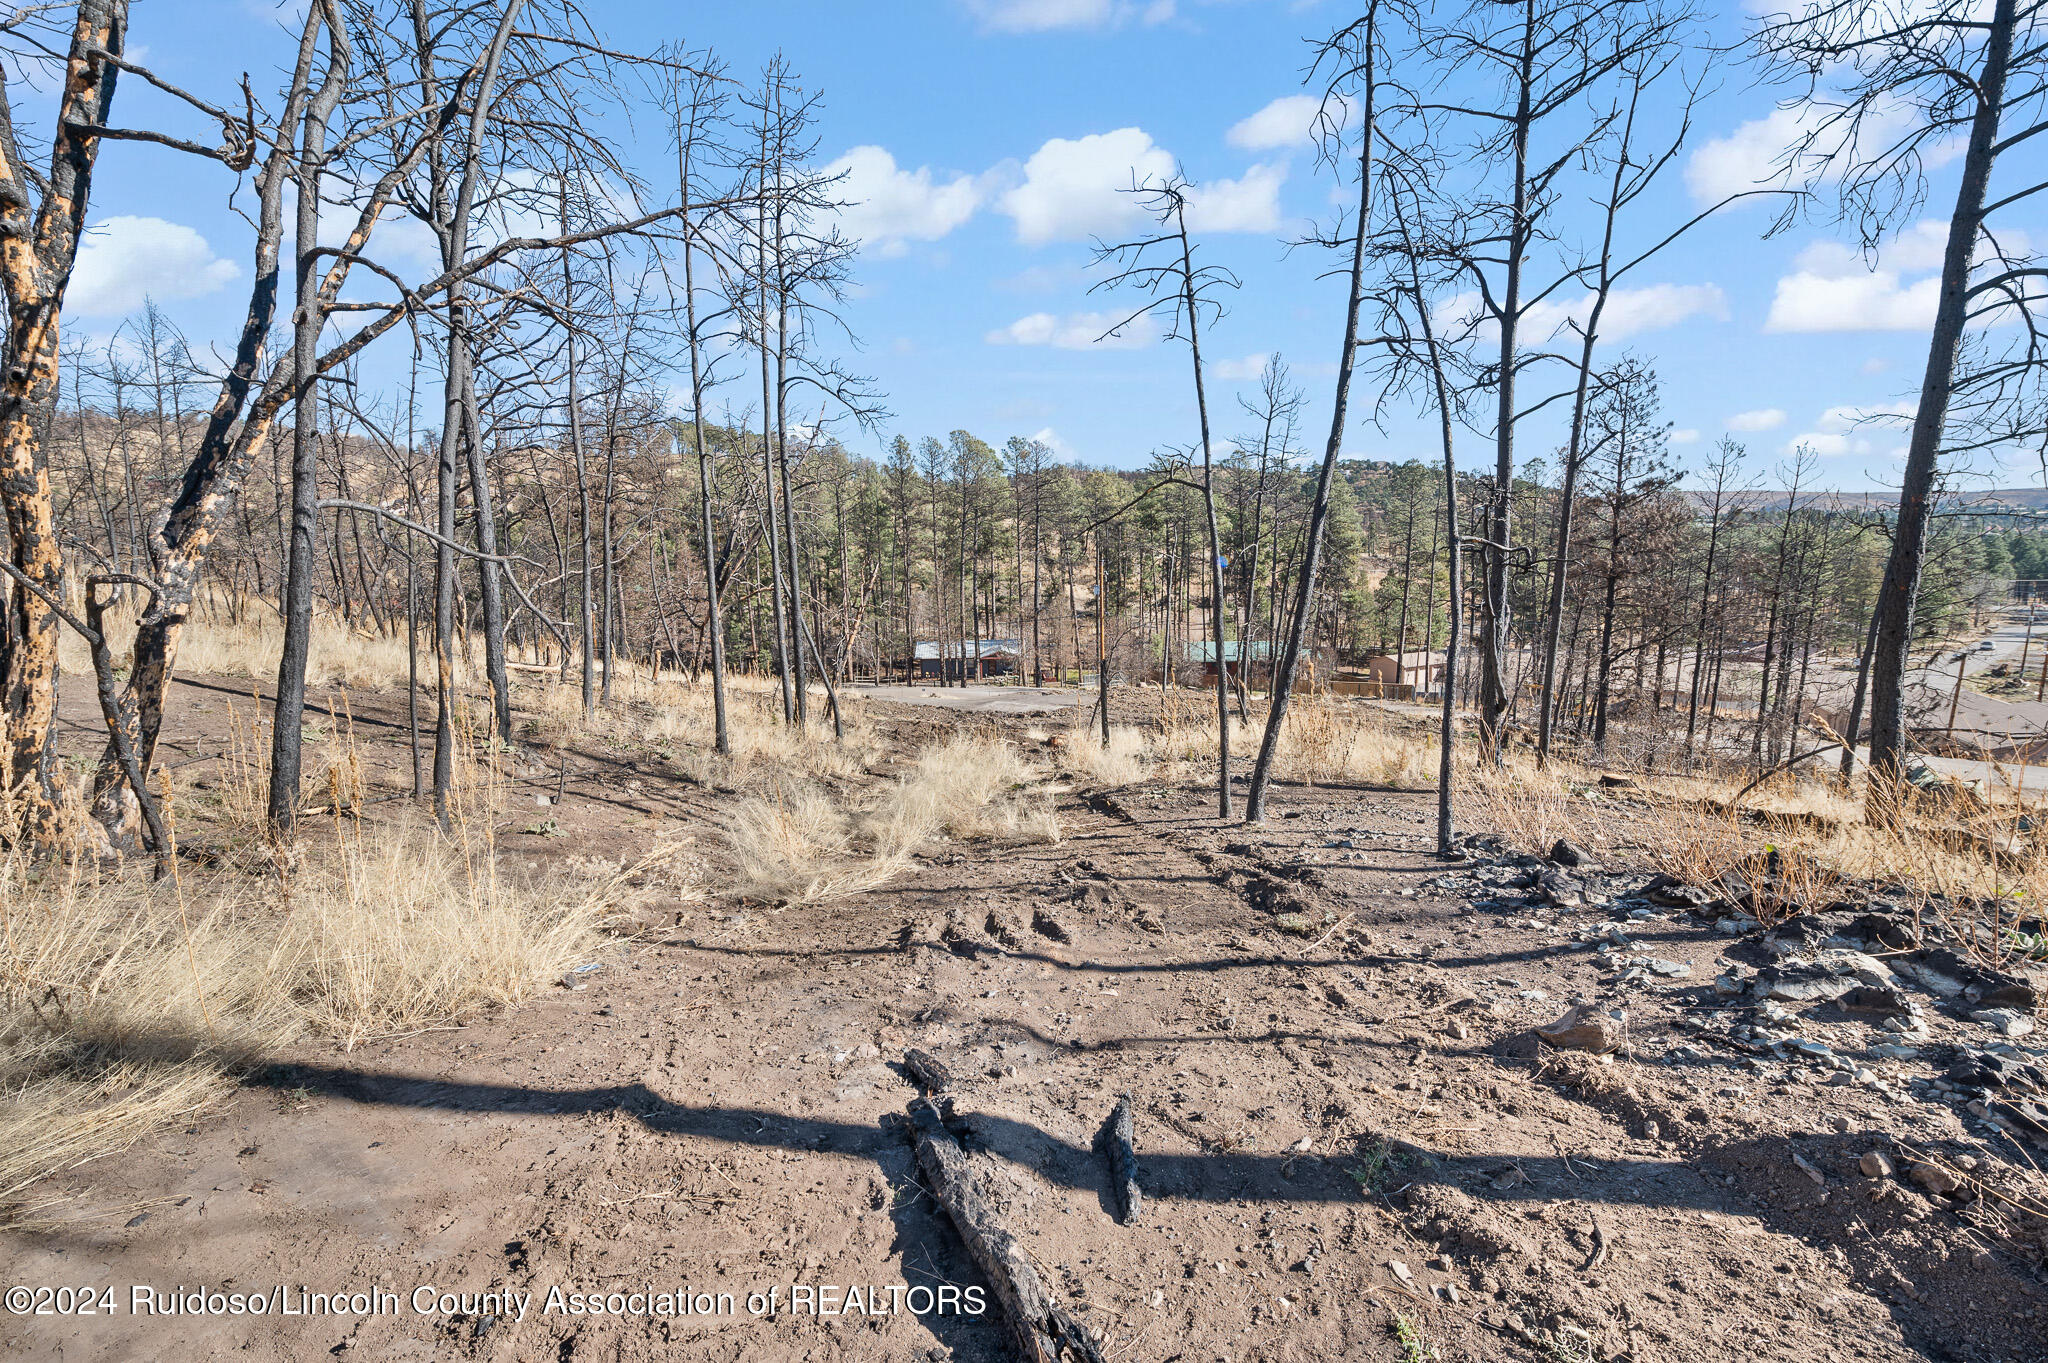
(1583, 1028)
(1888, 931)
(1875, 1164)
(1733, 981)
(1934, 1178)
(1869, 998)
(2029, 1116)
(2004, 1021)
(1801, 982)
(1828, 976)
(1565, 852)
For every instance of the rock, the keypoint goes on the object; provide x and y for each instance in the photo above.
(1889, 931)
(1934, 1179)
(1583, 1028)
(1875, 1164)
(1670, 970)
(1984, 1070)
(1735, 980)
(1675, 894)
(1801, 982)
(1951, 975)
(1930, 974)
(1868, 998)
(1810, 1050)
(1799, 935)
(1828, 976)
(1565, 852)
(1807, 1168)
(2004, 1021)
(2029, 1116)
(1777, 1014)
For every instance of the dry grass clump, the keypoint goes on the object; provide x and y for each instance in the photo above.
(795, 845)
(248, 641)
(1128, 758)
(804, 844)
(968, 786)
(1324, 741)
(123, 1003)
(677, 719)
(1328, 741)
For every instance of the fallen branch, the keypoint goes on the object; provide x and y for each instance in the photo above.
(1044, 1331)
(1118, 1144)
(928, 1070)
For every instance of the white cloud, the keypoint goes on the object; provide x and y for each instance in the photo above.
(1849, 430)
(1288, 121)
(1685, 436)
(1042, 16)
(1239, 371)
(1053, 441)
(1834, 287)
(1075, 331)
(1755, 155)
(1630, 312)
(1250, 203)
(1876, 301)
(1073, 188)
(887, 206)
(1762, 419)
(124, 260)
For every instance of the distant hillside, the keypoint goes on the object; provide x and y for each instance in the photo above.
(1991, 501)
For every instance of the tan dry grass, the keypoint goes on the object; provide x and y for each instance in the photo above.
(1325, 741)
(123, 1003)
(1127, 760)
(677, 718)
(803, 844)
(248, 642)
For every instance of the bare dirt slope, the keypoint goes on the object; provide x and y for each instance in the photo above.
(1350, 1146)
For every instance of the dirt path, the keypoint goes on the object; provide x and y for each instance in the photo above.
(1345, 1134)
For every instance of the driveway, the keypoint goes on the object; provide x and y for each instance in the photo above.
(987, 700)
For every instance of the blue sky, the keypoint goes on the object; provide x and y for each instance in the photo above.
(985, 139)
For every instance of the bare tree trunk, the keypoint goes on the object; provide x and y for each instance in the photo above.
(41, 248)
(307, 320)
(1901, 585)
(715, 626)
(1290, 658)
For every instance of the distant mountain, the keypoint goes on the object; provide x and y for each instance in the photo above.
(1989, 501)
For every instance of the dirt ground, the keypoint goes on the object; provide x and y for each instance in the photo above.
(1349, 1143)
